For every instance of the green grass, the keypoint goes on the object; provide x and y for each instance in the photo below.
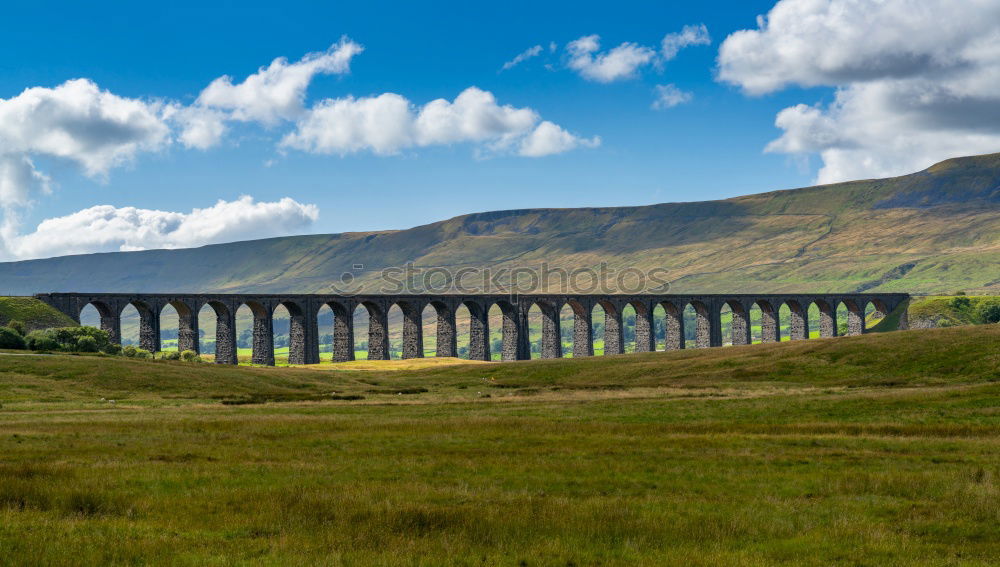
(33, 313)
(882, 449)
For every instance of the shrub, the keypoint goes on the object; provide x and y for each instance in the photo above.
(112, 348)
(86, 344)
(129, 351)
(989, 312)
(170, 355)
(960, 303)
(9, 338)
(190, 356)
(40, 340)
(17, 327)
(142, 353)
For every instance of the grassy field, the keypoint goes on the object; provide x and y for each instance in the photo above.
(875, 450)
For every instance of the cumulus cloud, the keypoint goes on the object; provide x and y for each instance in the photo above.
(105, 228)
(672, 43)
(522, 57)
(272, 94)
(669, 96)
(388, 123)
(75, 121)
(548, 139)
(915, 81)
(19, 180)
(619, 63)
(625, 61)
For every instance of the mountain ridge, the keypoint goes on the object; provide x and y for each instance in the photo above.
(941, 223)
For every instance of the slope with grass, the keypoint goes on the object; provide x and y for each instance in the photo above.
(33, 313)
(880, 449)
(936, 231)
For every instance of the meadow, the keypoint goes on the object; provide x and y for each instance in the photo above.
(882, 449)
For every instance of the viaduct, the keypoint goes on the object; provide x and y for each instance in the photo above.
(304, 329)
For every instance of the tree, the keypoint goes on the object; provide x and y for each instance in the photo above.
(9, 338)
(989, 312)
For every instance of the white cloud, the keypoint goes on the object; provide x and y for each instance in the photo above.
(669, 96)
(916, 81)
(624, 61)
(689, 35)
(105, 228)
(619, 63)
(388, 123)
(19, 180)
(201, 127)
(277, 91)
(75, 121)
(273, 94)
(548, 138)
(522, 57)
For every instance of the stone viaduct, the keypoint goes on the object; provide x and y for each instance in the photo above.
(304, 330)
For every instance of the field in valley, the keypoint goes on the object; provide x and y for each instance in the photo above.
(881, 449)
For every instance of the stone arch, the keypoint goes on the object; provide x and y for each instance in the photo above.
(798, 322)
(514, 335)
(739, 328)
(188, 333)
(644, 330)
(378, 330)
(673, 326)
(583, 329)
(225, 333)
(149, 324)
(446, 331)
(855, 317)
(827, 318)
(703, 326)
(551, 339)
(300, 334)
(343, 331)
(770, 324)
(479, 330)
(613, 336)
(110, 318)
(413, 328)
(262, 345)
(875, 311)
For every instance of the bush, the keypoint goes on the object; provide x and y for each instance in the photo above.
(131, 351)
(71, 339)
(9, 338)
(170, 355)
(17, 327)
(989, 312)
(960, 303)
(40, 340)
(86, 344)
(190, 356)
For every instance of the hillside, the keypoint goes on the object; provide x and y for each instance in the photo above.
(935, 231)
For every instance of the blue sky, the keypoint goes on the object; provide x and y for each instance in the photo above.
(711, 145)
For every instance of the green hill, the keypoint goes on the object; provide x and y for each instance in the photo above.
(935, 231)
